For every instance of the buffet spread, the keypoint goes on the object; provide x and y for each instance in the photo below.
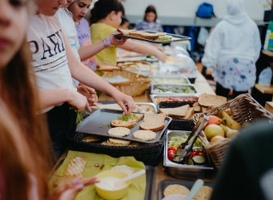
(157, 133)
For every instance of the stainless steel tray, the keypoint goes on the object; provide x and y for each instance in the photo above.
(170, 79)
(183, 170)
(98, 123)
(156, 98)
(187, 183)
(182, 89)
(175, 38)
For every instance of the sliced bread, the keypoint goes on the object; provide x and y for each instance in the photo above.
(176, 112)
(127, 121)
(140, 34)
(208, 100)
(153, 122)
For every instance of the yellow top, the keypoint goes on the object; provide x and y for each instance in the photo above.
(98, 32)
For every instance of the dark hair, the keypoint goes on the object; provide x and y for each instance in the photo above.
(150, 8)
(124, 20)
(102, 8)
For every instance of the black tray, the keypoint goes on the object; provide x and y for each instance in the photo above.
(181, 124)
(98, 123)
(175, 38)
(187, 183)
(149, 154)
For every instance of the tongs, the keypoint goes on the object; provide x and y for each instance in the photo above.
(184, 149)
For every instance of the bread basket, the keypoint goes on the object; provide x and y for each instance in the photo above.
(135, 83)
(244, 109)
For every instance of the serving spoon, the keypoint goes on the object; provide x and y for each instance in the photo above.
(131, 176)
(195, 188)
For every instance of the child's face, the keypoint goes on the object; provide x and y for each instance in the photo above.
(79, 8)
(13, 27)
(50, 7)
(150, 17)
(117, 19)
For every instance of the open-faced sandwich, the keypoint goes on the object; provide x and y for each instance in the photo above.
(127, 121)
(158, 36)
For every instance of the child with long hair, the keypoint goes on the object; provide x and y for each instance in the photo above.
(54, 64)
(25, 155)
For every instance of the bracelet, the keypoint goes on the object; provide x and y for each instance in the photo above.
(106, 42)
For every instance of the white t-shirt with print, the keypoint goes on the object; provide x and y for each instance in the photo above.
(49, 58)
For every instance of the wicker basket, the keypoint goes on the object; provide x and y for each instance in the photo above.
(136, 84)
(244, 109)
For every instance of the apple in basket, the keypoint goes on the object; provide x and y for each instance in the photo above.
(212, 130)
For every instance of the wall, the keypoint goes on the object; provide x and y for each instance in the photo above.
(182, 12)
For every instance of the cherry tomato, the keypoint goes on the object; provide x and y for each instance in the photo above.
(171, 154)
(172, 148)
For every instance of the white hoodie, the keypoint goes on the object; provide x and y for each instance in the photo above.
(232, 49)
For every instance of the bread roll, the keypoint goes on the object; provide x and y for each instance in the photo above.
(175, 189)
(144, 135)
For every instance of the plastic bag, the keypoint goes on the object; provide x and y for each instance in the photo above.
(265, 77)
(203, 36)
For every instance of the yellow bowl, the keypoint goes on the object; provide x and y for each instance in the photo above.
(107, 189)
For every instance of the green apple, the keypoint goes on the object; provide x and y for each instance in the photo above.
(212, 130)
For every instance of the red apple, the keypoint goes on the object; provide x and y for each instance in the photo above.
(213, 120)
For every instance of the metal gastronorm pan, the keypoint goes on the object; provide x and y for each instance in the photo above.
(98, 123)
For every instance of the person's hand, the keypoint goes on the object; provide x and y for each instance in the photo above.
(89, 93)
(115, 40)
(71, 189)
(125, 101)
(160, 55)
(78, 100)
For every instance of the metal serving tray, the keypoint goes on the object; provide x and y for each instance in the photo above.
(182, 89)
(175, 38)
(156, 98)
(98, 123)
(170, 79)
(187, 183)
(183, 170)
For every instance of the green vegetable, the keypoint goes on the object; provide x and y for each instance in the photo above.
(124, 117)
(80, 114)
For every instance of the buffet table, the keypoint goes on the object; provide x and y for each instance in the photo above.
(202, 86)
(156, 174)
(200, 83)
